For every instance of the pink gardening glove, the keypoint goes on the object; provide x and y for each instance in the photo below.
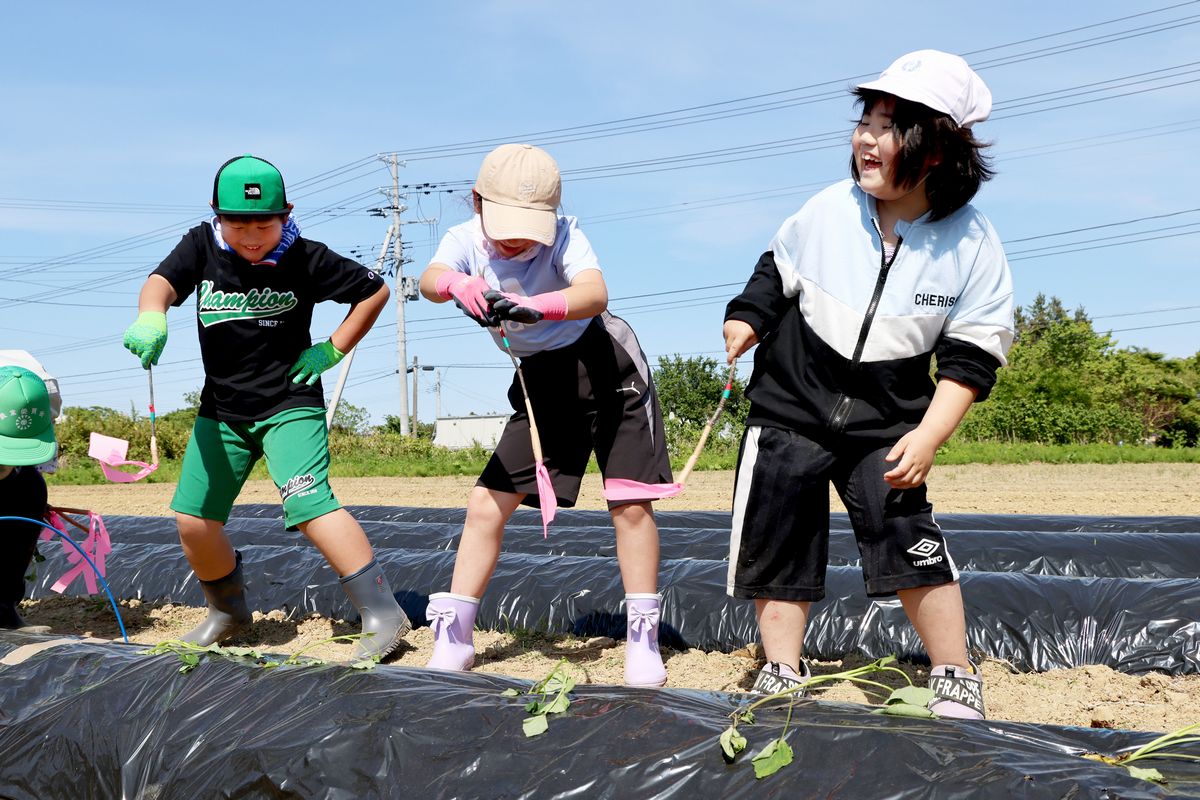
(519, 308)
(467, 291)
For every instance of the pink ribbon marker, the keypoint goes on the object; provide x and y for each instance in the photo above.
(624, 489)
(110, 452)
(97, 545)
(547, 500)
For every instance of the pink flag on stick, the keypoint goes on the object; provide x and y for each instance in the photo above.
(546, 498)
(110, 452)
(625, 489)
(620, 489)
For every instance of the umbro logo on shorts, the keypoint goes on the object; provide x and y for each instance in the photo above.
(925, 551)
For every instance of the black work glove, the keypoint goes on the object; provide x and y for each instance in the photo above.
(489, 320)
(509, 310)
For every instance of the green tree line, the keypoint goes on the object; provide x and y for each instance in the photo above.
(1065, 384)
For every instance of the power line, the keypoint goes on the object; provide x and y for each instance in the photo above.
(685, 116)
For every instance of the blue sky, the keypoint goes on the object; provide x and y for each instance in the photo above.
(687, 132)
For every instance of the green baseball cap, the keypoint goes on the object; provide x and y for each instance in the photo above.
(26, 422)
(248, 185)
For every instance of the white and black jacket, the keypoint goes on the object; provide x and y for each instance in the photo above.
(846, 337)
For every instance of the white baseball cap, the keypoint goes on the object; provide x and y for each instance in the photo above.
(942, 81)
(521, 190)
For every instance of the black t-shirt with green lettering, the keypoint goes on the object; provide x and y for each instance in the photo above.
(254, 319)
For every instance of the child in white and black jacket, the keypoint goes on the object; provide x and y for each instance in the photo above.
(872, 278)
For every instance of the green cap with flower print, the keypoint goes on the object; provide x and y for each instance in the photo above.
(26, 422)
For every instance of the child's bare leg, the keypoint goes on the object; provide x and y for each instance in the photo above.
(937, 614)
(452, 614)
(637, 556)
(637, 547)
(206, 546)
(781, 624)
(479, 546)
(341, 540)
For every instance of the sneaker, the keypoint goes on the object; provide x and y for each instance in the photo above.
(959, 692)
(777, 677)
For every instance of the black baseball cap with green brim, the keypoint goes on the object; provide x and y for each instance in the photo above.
(249, 186)
(26, 423)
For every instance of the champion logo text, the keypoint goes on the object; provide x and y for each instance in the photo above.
(216, 306)
(296, 486)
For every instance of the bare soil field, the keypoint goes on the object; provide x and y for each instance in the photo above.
(1086, 696)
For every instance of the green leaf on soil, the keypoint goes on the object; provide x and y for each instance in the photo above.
(558, 705)
(908, 701)
(1147, 774)
(510, 693)
(732, 743)
(772, 758)
(535, 725)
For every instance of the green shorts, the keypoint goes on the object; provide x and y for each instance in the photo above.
(220, 455)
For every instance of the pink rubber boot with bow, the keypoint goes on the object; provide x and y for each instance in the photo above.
(452, 617)
(643, 661)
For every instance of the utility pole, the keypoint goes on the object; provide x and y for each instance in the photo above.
(401, 290)
(437, 394)
(341, 381)
(406, 289)
(416, 371)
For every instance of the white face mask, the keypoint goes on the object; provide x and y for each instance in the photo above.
(525, 255)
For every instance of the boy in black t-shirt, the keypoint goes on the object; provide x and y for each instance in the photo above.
(256, 282)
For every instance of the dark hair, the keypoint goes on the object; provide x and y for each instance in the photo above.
(283, 215)
(931, 144)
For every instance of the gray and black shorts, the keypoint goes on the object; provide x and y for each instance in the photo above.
(779, 544)
(595, 394)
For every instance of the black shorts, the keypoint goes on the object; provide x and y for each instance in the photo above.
(779, 543)
(595, 394)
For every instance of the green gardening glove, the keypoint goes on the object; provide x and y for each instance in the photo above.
(147, 337)
(313, 361)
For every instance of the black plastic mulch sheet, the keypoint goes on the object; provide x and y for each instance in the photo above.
(1037, 622)
(1094, 553)
(722, 519)
(86, 720)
